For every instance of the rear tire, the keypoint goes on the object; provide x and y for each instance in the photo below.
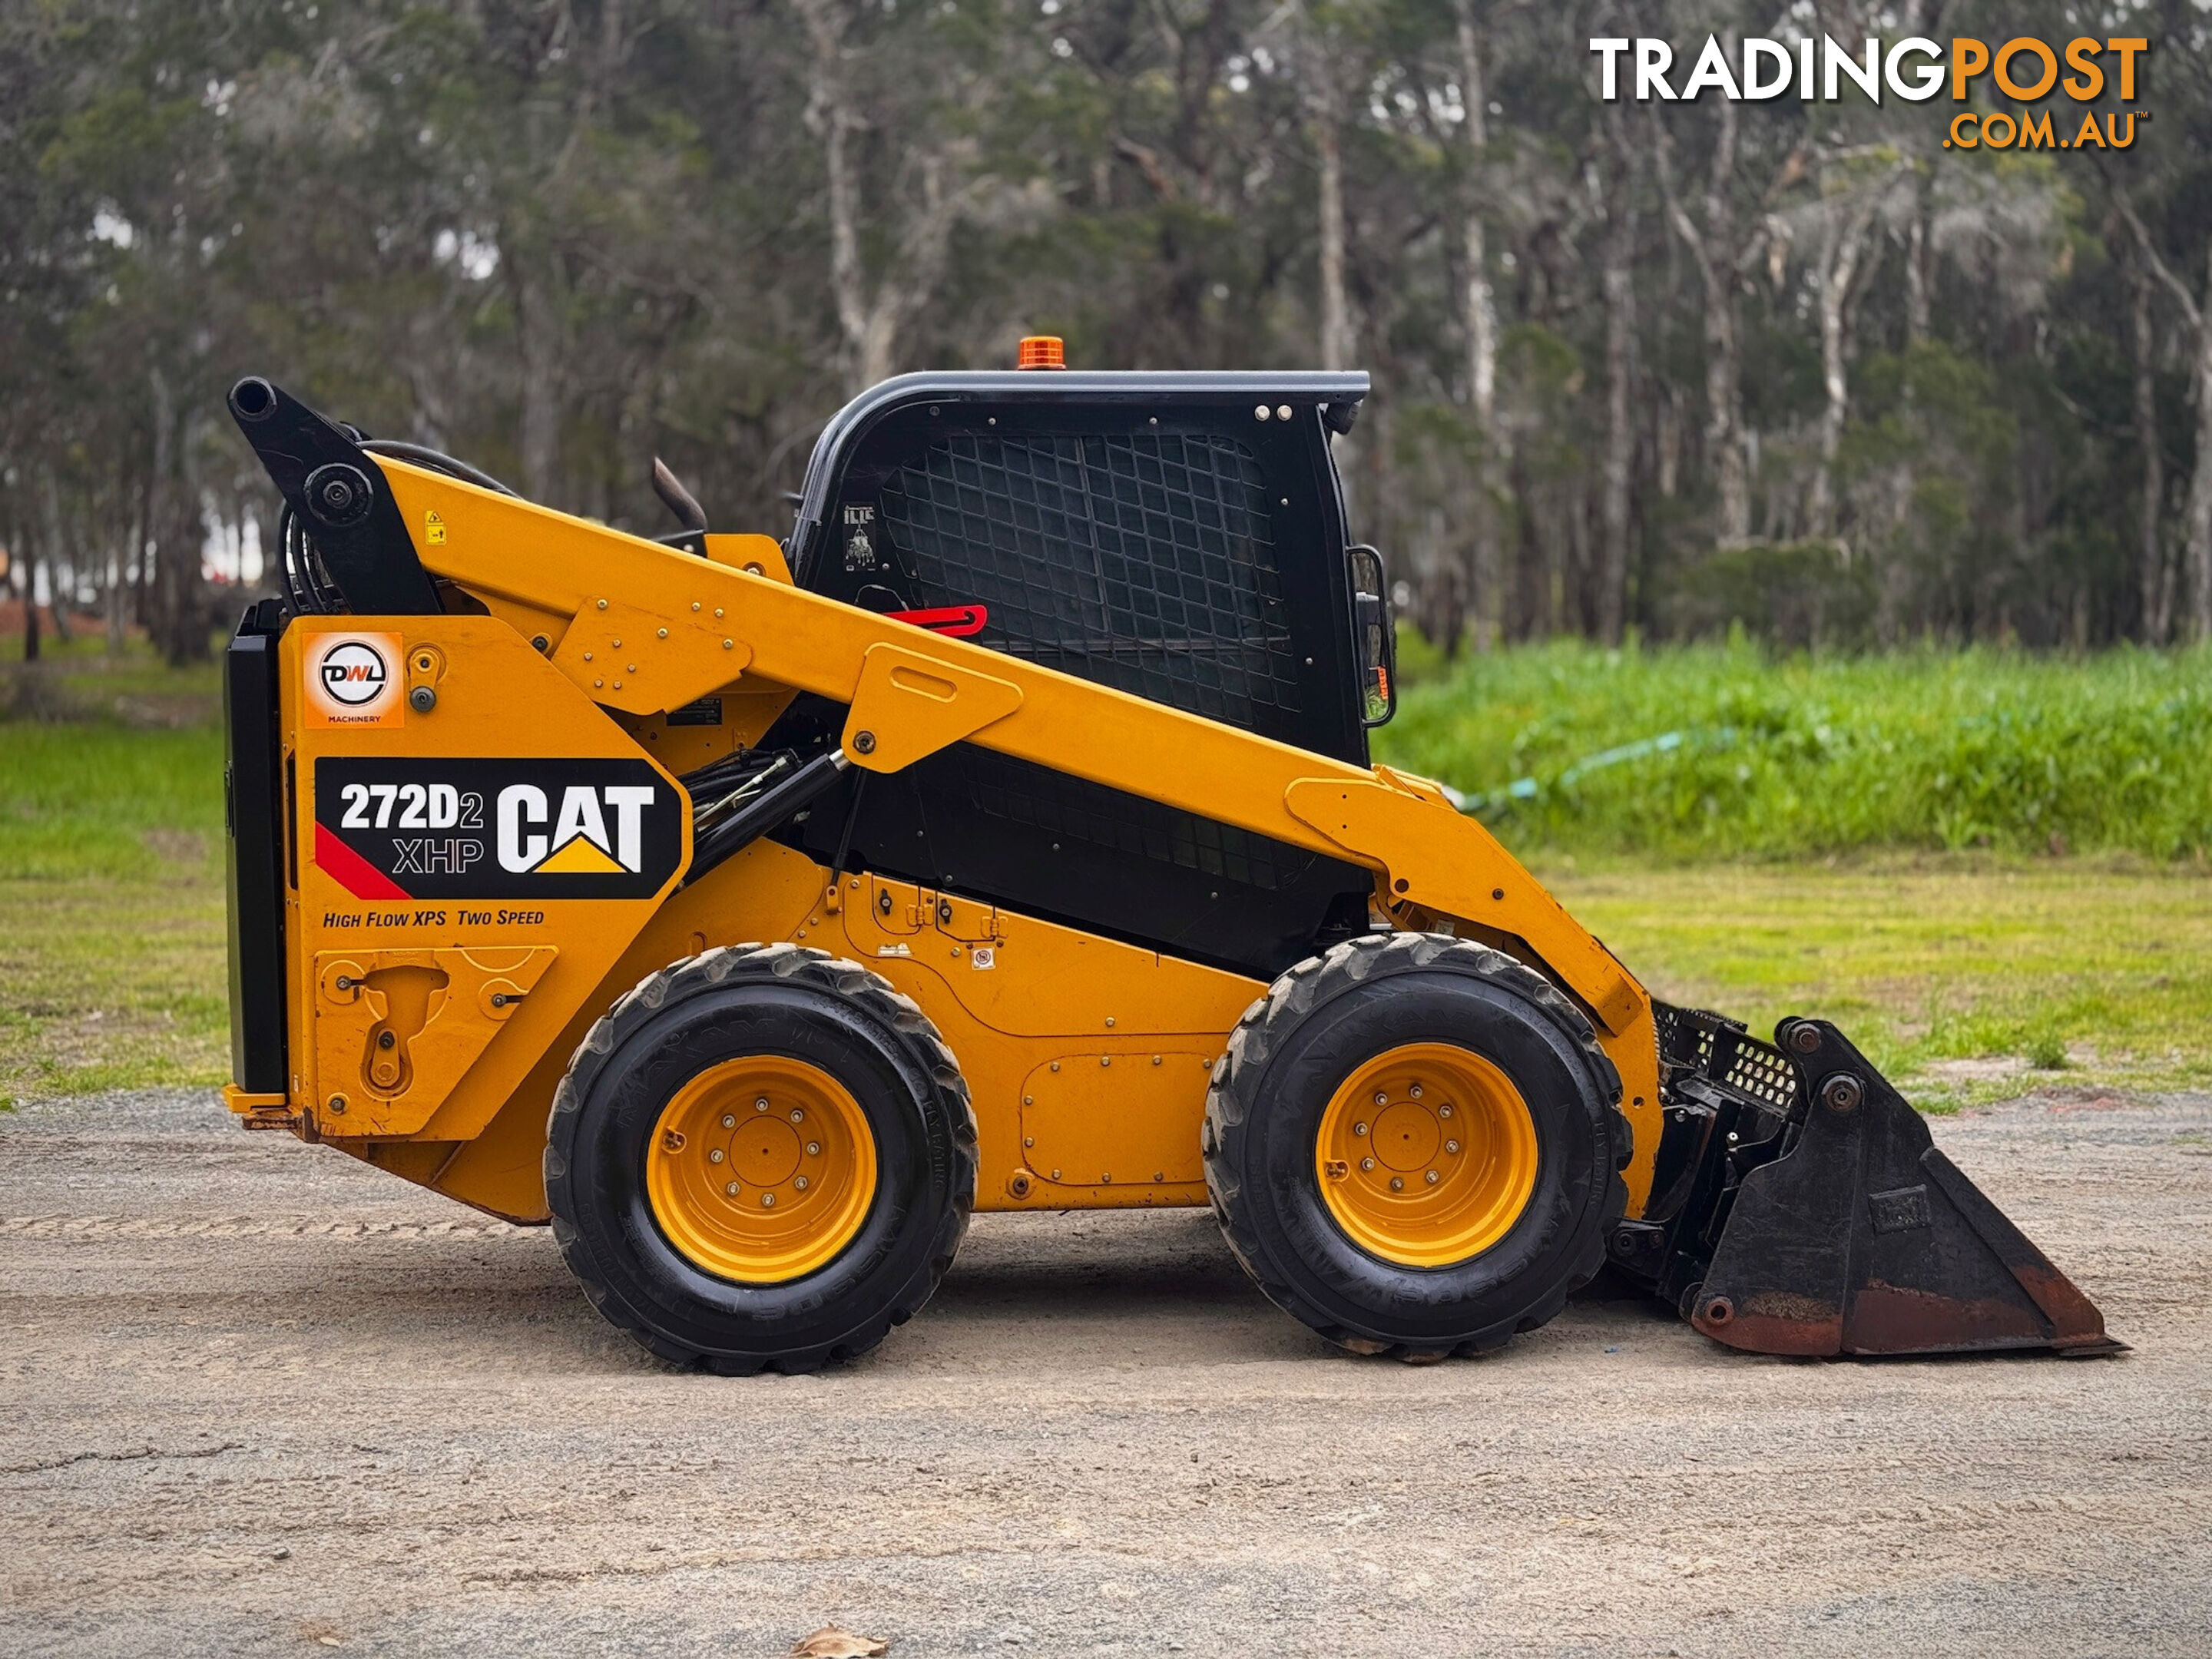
(1421, 1272)
(666, 1257)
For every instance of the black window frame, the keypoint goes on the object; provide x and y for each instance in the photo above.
(873, 440)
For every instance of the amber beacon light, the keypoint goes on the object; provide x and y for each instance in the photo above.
(1043, 351)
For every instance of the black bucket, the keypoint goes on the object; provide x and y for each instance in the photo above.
(1802, 1207)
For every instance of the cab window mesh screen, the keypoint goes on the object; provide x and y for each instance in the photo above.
(1144, 562)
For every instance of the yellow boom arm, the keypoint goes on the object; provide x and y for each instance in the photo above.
(641, 628)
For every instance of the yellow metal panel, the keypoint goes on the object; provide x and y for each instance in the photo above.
(496, 698)
(1062, 992)
(1085, 1114)
(641, 662)
(1444, 861)
(404, 1026)
(1036, 978)
(908, 705)
(1012, 994)
(246, 1103)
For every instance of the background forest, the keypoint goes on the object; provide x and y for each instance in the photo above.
(1657, 368)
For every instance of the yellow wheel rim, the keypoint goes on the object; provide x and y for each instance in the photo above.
(1426, 1155)
(761, 1170)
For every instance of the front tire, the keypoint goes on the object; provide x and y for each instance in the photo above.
(1415, 1145)
(761, 1156)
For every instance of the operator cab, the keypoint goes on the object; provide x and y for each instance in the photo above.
(1179, 537)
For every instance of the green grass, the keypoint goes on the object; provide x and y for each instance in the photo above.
(80, 681)
(112, 967)
(1896, 842)
(1965, 977)
(1720, 752)
(123, 805)
(1962, 972)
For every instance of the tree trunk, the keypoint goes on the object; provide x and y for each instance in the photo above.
(1584, 559)
(1720, 268)
(114, 595)
(1725, 410)
(1835, 383)
(1609, 609)
(181, 532)
(1361, 458)
(1535, 584)
(1837, 270)
(1724, 353)
(49, 525)
(161, 493)
(1335, 310)
(869, 322)
(29, 567)
(2197, 516)
(141, 542)
(1443, 585)
(1916, 272)
(830, 112)
(2196, 519)
(1479, 322)
(539, 328)
(116, 599)
(2154, 579)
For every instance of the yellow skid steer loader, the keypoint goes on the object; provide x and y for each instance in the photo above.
(1003, 838)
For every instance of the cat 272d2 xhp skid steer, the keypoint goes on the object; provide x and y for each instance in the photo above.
(1003, 838)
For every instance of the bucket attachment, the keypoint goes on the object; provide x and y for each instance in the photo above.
(1800, 1207)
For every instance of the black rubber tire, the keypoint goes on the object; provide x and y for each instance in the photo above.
(1286, 1058)
(745, 1000)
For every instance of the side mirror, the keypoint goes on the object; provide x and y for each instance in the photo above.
(1374, 638)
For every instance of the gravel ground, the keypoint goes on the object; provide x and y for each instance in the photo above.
(255, 1398)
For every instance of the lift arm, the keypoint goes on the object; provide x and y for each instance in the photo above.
(642, 627)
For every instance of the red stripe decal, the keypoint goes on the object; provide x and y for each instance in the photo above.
(352, 871)
(954, 620)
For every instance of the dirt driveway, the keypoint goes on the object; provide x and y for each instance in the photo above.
(257, 1399)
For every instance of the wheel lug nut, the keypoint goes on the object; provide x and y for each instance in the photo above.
(1381, 1099)
(814, 1149)
(798, 1116)
(729, 1121)
(714, 1157)
(732, 1189)
(1443, 1111)
(1451, 1146)
(1366, 1162)
(1397, 1183)
(761, 1105)
(1415, 1091)
(768, 1200)
(1430, 1177)
(1359, 1128)
(800, 1183)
